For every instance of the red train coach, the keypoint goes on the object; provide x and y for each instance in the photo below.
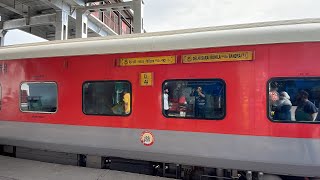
(241, 97)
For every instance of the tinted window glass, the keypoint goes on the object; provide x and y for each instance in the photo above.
(294, 99)
(199, 99)
(107, 98)
(38, 97)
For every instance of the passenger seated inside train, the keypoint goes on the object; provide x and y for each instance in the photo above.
(296, 101)
(199, 99)
(107, 98)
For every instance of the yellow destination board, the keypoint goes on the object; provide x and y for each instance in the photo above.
(146, 79)
(218, 57)
(147, 61)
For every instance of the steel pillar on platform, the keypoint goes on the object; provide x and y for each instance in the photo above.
(137, 8)
(81, 24)
(61, 25)
(2, 34)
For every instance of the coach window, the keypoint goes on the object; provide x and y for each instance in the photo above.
(112, 98)
(39, 97)
(294, 100)
(196, 99)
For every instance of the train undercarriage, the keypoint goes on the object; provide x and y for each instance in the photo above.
(160, 169)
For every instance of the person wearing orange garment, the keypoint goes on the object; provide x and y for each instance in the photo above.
(127, 100)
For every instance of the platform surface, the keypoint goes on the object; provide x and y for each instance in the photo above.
(20, 169)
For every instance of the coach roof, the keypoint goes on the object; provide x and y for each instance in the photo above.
(304, 30)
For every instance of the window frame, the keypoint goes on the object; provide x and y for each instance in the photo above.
(195, 118)
(268, 105)
(94, 81)
(42, 82)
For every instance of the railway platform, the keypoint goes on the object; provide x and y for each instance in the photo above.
(20, 169)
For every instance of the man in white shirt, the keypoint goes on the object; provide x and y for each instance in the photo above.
(166, 101)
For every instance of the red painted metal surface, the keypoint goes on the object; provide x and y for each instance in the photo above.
(246, 89)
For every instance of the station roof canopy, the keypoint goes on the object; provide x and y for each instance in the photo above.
(38, 17)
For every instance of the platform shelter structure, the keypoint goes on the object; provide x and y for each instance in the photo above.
(68, 19)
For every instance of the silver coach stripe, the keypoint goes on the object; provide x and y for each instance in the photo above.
(270, 154)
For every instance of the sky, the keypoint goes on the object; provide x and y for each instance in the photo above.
(163, 15)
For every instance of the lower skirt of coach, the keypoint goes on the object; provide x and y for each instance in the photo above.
(161, 169)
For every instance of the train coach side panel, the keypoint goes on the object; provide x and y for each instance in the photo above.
(294, 60)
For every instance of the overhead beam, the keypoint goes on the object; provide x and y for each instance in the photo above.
(110, 7)
(126, 12)
(35, 31)
(55, 4)
(76, 2)
(99, 27)
(135, 5)
(13, 7)
(46, 19)
(61, 5)
(64, 5)
(124, 19)
(3, 17)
